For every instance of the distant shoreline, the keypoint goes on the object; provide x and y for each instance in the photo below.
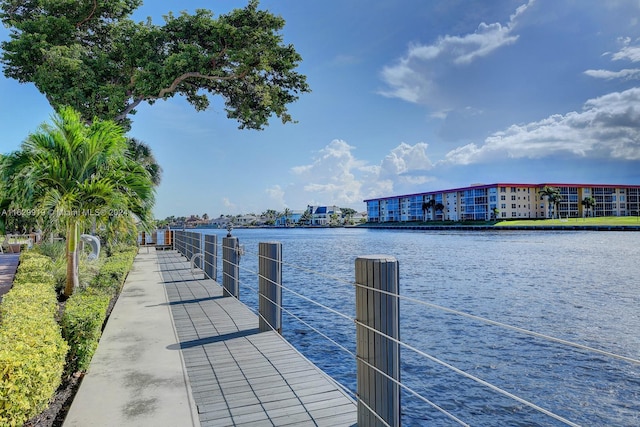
(459, 227)
(568, 227)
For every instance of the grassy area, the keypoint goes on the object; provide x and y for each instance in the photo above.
(602, 221)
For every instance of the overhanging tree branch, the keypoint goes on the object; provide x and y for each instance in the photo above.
(95, 6)
(105, 64)
(173, 87)
(194, 74)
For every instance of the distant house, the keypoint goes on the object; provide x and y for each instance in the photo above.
(358, 218)
(219, 222)
(325, 215)
(292, 219)
(246, 220)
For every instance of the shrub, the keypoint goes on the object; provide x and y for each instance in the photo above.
(114, 271)
(86, 310)
(54, 250)
(32, 350)
(84, 315)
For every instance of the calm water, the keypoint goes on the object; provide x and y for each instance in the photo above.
(582, 287)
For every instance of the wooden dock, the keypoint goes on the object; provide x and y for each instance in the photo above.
(240, 376)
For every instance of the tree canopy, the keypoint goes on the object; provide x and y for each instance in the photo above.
(69, 173)
(90, 55)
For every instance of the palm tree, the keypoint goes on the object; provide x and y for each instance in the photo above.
(287, 215)
(589, 203)
(553, 197)
(438, 207)
(141, 153)
(270, 216)
(305, 219)
(76, 172)
(430, 205)
(495, 212)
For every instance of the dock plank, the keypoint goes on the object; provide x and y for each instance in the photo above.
(240, 376)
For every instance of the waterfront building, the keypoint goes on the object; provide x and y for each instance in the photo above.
(324, 215)
(484, 202)
(286, 220)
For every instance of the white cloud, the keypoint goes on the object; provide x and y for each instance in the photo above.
(331, 175)
(608, 127)
(228, 204)
(627, 52)
(276, 196)
(337, 176)
(405, 159)
(414, 78)
(626, 74)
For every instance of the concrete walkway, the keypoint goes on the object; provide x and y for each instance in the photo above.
(137, 377)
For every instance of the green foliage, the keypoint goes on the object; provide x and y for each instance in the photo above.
(104, 64)
(32, 351)
(82, 321)
(85, 312)
(114, 272)
(80, 173)
(34, 262)
(53, 250)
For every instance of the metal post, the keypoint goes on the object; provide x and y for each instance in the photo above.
(211, 256)
(178, 236)
(381, 312)
(192, 244)
(197, 249)
(230, 267)
(270, 286)
(181, 242)
(187, 245)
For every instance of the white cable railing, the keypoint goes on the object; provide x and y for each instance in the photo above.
(189, 244)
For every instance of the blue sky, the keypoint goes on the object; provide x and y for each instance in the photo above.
(408, 96)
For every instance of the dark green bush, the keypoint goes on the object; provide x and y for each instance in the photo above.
(114, 271)
(86, 310)
(82, 321)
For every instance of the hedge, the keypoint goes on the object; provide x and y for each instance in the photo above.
(84, 315)
(32, 350)
(86, 310)
(114, 271)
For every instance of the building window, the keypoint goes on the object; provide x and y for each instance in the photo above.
(513, 206)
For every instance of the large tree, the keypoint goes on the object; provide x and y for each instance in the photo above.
(73, 173)
(89, 54)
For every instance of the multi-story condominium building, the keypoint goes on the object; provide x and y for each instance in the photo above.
(506, 201)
